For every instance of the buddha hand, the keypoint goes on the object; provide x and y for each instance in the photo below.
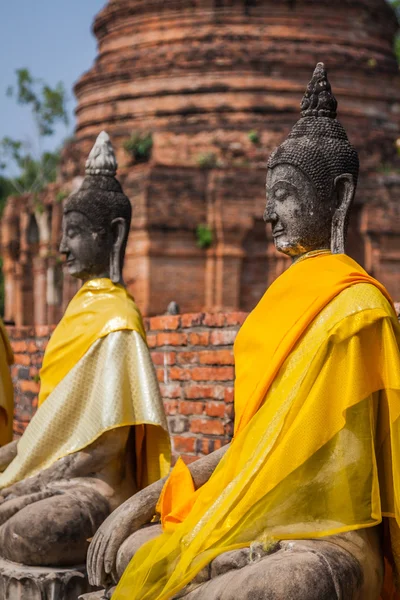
(125, 520)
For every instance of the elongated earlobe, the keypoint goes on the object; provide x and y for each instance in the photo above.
(119, 229)
(345, 190)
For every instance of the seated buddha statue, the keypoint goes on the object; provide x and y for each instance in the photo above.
(6, 388)
(100, 432)
(293, 506)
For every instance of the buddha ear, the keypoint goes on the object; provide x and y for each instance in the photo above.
(119, 233)
(344, 188)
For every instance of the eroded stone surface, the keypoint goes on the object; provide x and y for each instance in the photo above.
(19, 582)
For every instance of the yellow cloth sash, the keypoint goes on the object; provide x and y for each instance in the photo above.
(97, 375)
(318, 401)
(6, 388)
(97, 309)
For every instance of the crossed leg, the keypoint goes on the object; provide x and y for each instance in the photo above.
(54, 531)
(346, 567)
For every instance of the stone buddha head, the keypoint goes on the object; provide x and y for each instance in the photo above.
(312, 177)
(97, 219)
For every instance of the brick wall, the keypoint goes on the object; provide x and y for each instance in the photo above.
(193, 357)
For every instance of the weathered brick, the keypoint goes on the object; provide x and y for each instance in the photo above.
(214, 319)
(229, 394)
(207, 426)
(170, 390)
(151, 340)
(163, 358)
(199, 338)
(212, 373)
(24, 373)
(162, 375)
(223, 337)
(32, 347)
(22, 359)
(43, 331)
(19, 346)
(199, 391)
(235, 318)
(216, 357)
(184, 444)
(206, 445)
(191, 408)
(165, 323)
(229, 411)
(41, 344)
(178, 424)
(177, 373)
(171, 407)
(171, 339)
(219, 392)
(29, 386)
(192, 320)
(36, 359)
(228, 428)
(216, 409)
(187, 358)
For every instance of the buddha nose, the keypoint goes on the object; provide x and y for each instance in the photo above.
(269, 215)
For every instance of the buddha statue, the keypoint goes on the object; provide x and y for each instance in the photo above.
(293, 506)
(6, 388)
(100, 432)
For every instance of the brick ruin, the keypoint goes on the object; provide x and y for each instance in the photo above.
(193, 357)
(217, 83)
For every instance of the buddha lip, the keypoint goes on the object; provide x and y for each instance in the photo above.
(277, 232)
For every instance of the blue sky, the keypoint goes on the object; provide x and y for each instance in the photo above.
(53, 39)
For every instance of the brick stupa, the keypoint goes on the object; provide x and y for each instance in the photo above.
(217, 84)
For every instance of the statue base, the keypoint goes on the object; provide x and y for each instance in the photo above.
(22, 582)
(101, 595)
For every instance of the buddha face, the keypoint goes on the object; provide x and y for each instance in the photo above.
(86, 249)
(300, 221)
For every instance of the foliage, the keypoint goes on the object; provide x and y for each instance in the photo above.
(396, 5)
(61, 195)
(139, 146)
(47, 104)
(204, 236)
(208, 160)
(48, 108)
(254, 137)
(34, 169)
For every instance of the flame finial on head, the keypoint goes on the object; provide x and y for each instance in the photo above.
(101, 160)
(319, 100)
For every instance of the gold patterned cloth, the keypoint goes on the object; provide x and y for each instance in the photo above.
(97, 375)
(6, 388)
(97, 309)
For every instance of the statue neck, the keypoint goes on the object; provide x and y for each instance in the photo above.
(310, 254)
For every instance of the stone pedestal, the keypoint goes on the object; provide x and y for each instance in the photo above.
(21, 582)
(102, 595)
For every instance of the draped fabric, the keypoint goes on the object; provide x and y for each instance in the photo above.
(316, 449)
(97, 375)
(6, 388)
(97, 309)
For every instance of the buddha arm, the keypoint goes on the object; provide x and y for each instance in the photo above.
(86, 462)
(133, 514)
(7, 454)
(202, 469)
